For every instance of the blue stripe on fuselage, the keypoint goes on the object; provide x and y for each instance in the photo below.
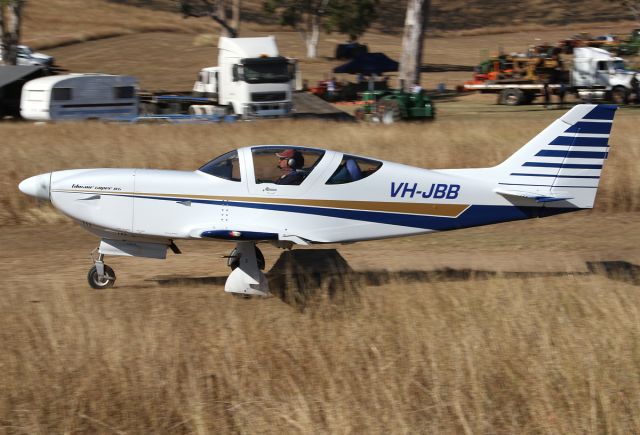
(475, 215)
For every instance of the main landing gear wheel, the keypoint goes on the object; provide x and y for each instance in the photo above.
(234, 259)
(107, 280)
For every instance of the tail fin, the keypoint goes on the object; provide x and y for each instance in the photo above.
(564, 161)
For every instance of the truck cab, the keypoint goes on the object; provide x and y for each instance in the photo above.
(597, 68)
(206, 84)
(251, 79)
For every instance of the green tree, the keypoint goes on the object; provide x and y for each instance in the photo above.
(224, 12)
(303, 15)
(351, 17)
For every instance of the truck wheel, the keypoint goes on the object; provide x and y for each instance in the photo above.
(359, 114)
(389, 111)
(619, 95)
(511, 97)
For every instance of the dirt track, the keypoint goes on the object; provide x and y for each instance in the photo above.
(60, 253)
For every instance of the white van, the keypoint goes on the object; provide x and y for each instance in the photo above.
(79, 96)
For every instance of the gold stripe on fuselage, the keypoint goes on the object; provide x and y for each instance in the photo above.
(445, 210)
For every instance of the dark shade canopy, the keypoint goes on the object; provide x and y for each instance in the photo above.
(368, 64)
(12, 73)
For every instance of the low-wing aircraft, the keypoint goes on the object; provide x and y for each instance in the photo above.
(328, 197)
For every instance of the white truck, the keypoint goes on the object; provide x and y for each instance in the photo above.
(595, 75)
(251, 79)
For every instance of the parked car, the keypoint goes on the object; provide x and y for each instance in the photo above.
(28, 57)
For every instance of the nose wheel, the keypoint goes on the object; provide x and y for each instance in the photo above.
(101, 276)
(107, 280)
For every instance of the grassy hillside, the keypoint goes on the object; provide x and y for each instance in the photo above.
(51, 22)
(457, 14)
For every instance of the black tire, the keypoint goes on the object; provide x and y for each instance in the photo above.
(511, 97)
(234, 261)
(389, 111)
(619, 95)
(96, 283)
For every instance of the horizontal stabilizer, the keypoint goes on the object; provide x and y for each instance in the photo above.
(538, 196)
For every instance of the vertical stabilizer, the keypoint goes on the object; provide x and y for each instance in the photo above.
(565, 160)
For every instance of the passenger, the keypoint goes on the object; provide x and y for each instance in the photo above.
(291, 163)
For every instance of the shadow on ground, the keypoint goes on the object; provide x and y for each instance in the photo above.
(299, 276)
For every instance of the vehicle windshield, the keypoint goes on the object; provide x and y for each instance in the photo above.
(618, 65)
(266, 70)
(227, 166)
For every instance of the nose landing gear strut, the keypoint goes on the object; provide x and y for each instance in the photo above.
(100, 276)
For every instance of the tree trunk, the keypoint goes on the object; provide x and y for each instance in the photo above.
(221, 13)
(235, 15)
(413, 41)
(312, 37)
(10, 19)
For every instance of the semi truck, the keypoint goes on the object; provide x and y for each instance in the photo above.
(252, 79)
(595, 75)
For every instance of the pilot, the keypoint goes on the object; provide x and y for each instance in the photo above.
(291, 161)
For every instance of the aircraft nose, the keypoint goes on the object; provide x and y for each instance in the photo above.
(37, 186)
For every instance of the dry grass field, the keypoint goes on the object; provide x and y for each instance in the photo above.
(522, 327)
(498, 329)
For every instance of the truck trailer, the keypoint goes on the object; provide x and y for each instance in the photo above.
(595, 75)
(78, 97)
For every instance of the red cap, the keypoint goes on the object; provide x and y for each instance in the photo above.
(286, 154)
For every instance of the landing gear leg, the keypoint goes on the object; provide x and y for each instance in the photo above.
(247, 278)
(100, 276)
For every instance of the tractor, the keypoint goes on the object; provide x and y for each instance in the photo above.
(392, 105)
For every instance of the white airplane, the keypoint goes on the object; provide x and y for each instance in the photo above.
(331, 197)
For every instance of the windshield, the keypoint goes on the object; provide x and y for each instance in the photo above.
(266, 70)
(226, 166)
(618, 65)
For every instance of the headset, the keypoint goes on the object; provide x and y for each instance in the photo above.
(297, 161)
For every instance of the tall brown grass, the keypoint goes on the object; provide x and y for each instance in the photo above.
(27, 149)
(539, 355)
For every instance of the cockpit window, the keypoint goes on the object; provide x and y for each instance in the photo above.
(284, 164)
(353, 169)
(226, 166)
